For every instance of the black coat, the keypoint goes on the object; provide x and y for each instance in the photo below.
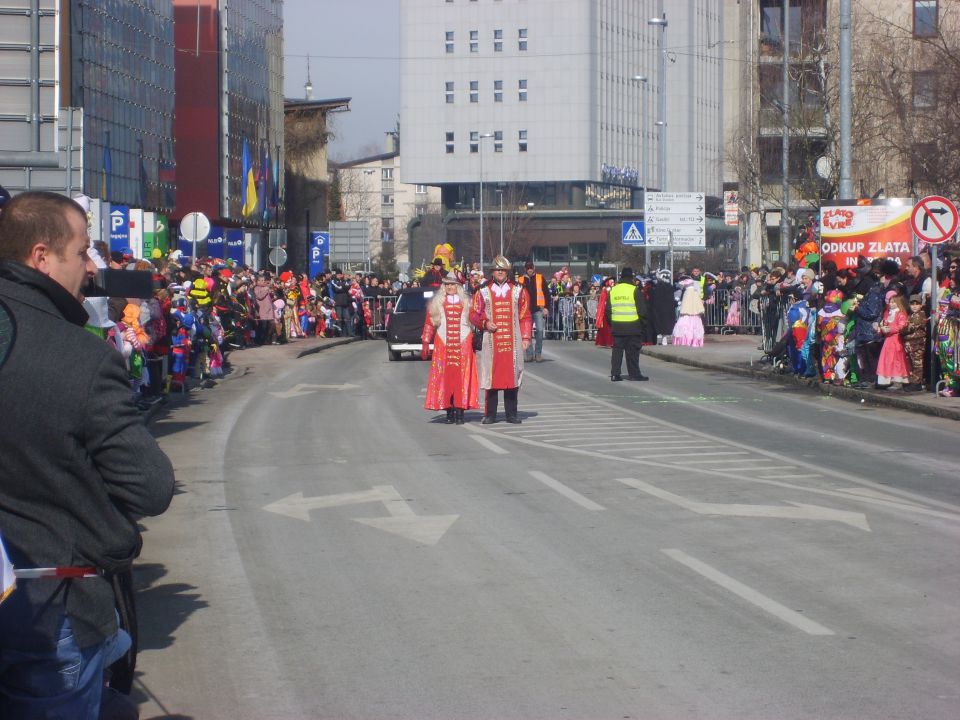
(78, 463)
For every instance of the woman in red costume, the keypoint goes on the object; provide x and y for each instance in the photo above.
(604, 337)
(452, 385)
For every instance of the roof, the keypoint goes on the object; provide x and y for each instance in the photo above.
(365, 160)
(330, 104)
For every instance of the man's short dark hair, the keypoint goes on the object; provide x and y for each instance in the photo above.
(36, 217)
(889, 268)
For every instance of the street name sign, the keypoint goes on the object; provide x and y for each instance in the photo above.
(934, 219)
(681, 214)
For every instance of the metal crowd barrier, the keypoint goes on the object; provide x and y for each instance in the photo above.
(380, 308)
(571, 318)
(731, 311)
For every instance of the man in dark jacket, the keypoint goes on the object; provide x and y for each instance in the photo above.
(627, 314)
(79, 467)
(340, 292)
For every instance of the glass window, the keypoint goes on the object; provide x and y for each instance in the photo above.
(474, 135)
(421, 189)
(522, 147)
(924, 89)
(386, 173)
(498, 134)
(522, 134)
(474, 41)
(449, 137)
(925, 18)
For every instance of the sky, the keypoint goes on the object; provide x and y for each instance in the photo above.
(354, 48)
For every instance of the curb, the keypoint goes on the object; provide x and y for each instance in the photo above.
(879, 398)
(334, 342)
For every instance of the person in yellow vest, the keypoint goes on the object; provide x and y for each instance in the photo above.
(627, 314)
(536, 288)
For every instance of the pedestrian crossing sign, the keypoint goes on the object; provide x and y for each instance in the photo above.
(633, 232)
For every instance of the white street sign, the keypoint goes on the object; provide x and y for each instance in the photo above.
(681, 214)
(423, 529)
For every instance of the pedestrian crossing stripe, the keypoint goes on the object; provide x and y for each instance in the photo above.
(633, 233)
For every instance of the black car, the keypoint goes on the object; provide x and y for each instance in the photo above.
(405, 326)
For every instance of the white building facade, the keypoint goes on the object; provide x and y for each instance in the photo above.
(556, 85)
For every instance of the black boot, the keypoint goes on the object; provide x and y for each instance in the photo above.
(459, 416)
(450, 416)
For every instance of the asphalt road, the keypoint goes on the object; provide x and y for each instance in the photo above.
(698, 546)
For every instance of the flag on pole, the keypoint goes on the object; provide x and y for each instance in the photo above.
(248, 183)
(275, 183)
(106, 170)
(263, 177)
(8, 582)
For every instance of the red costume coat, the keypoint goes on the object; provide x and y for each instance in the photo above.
(453, 370)
(500, 362)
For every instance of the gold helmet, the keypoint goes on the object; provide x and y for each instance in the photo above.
(500, 263)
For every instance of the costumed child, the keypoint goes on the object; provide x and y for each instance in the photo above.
(453, 384)
(915, 343)
(798, 320)
(831, 325)
(892, 366)
(688, 329)
(948, 342)
(604, 336)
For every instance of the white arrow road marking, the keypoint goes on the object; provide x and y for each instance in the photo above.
(565, 491)
(425, 529)
(490, 445)
(309, 388)
(749, 594)
(799, 511)
(298, 507)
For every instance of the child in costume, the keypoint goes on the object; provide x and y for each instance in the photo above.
(831, 325)
(798, 319)
(915, 343)
(688, 329)
(892, 366)
(948, 342)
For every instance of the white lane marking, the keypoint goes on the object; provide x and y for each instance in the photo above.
(663, 444)
(490, 445)
(565, 491)
(710, 460)
(780, 458)
(726, 452)
(794, 511)
(753, 597)
(779, 476)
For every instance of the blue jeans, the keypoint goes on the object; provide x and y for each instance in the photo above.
(536, 347)
(346, 316)
(64, 683)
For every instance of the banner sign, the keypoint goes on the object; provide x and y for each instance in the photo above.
(234, 241)
(216, 242)
(873, 231)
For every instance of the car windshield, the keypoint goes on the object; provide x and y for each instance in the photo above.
(413, 302)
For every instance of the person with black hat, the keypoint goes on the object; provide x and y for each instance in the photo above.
(434, 276)
(501, 310)
(536, 288)
(626, 312)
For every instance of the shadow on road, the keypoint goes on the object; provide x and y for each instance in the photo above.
(162, 608)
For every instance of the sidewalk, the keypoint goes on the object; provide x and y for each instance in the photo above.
(738, 355)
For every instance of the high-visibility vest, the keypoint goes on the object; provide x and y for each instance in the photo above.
(538, 286)
(623, 306)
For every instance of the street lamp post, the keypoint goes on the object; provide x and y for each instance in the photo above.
(480, 150)
(500, 196)
(643, 80)
(662, 82)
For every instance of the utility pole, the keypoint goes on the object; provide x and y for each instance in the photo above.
(785, 151)
(846, 182)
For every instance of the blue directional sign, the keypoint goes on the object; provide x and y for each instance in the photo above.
(235, 245)
(633, 233)
(319, 247)
(120, 228)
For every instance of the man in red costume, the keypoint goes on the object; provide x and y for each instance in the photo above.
(501, 309)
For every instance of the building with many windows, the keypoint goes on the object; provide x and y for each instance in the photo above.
(229, 104)
(905, 101)
(556, 103)
(371, 190)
